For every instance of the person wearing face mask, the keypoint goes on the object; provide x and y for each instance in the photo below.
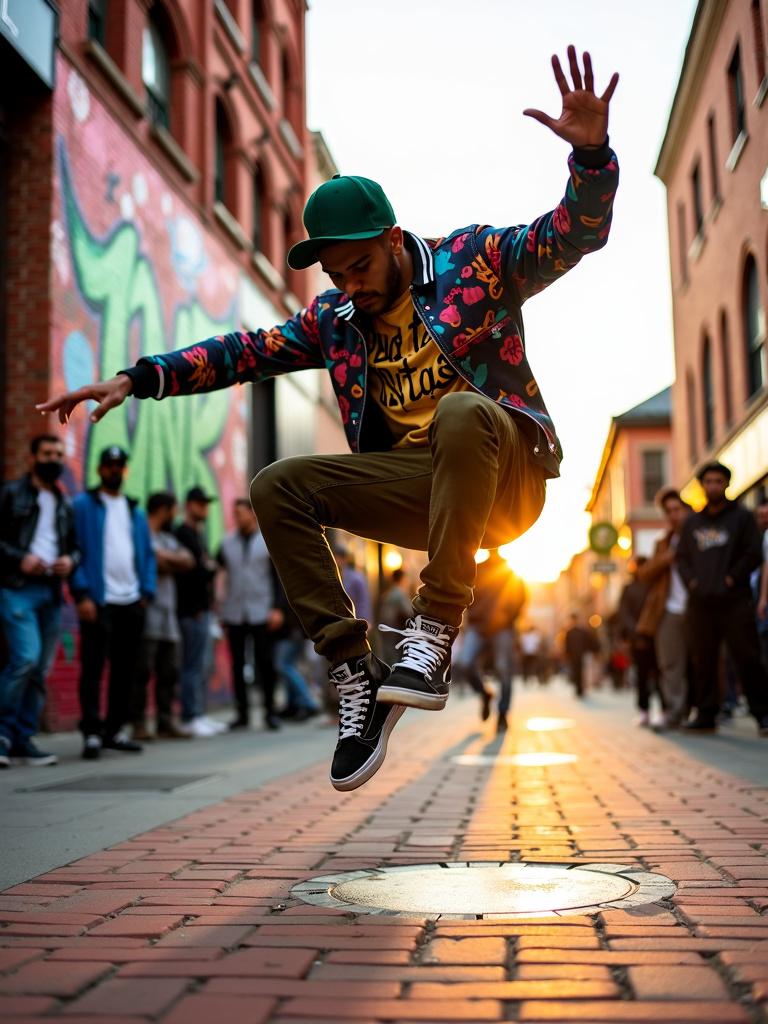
(111, 586)
(38, 551)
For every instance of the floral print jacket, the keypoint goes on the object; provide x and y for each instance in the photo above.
(468, 289)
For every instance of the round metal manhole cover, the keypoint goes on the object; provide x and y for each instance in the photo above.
(486, 889)
(534, 759)
(549, 724)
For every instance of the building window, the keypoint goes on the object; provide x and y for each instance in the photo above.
(698, 205)
(725, 362)
(257, 31)
(707, 393)
(156, 73)
(693, 448)
(258, 210)
(223, 185)
(759, 38)
(754, 328)
(654, 473)
(736, 95)
(714, 172)
(97, 21)
(683, 254)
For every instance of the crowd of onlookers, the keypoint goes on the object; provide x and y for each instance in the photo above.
(692, 624)
(150, 598)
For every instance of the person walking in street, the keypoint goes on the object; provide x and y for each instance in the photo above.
(249, 612)
(38, 551)
(530, 642)
(579, 641)
(631, 603)
(761, 583)
(488, 636)
(111, 586)
(451, 440)
(289, 643)
(719, 548)
(194, 604)
(395, 608)
(162, 636)
(662, 619)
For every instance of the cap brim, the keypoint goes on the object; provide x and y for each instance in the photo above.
(304, 254)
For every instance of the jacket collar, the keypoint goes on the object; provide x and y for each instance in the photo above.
(95, 494)
(423, 270)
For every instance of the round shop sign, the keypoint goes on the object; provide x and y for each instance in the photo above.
(602, 537)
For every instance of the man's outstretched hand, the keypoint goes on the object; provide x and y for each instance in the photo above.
(109, 394)
(584, 117)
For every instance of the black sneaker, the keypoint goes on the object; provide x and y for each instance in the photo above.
(704, 725)
(762, 726)
(364, 725)
(5, 753)
(29, 753)
(422, 677)
(121, 741)
(91, 748)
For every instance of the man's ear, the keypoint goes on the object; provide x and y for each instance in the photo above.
(396, 240)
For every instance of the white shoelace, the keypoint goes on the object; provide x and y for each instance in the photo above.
(354, 698)
(422, 651)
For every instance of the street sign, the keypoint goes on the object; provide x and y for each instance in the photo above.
(602, 537)
(605, 567)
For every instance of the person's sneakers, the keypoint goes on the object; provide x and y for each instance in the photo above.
(198, 728)
(5, 753)
(422, 677)
(272, 722)
(239, 723)
(762, 727)
(364, 724)
(91, 748)
(29, 753)
(141, 733)
(121, 741)
(501, 724)
(171, 732)
(215, 725)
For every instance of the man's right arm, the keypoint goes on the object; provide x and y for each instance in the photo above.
(236, 358)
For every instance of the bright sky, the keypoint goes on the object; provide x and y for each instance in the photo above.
(426, 97)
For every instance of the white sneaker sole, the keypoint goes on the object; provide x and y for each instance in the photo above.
(36, 762)
(375, 761)
(410, 698)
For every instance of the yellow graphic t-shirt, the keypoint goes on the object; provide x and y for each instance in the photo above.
(407, 373)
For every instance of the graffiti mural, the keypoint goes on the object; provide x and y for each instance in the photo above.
(134, 274)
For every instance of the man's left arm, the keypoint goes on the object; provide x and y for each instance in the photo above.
(530, 257)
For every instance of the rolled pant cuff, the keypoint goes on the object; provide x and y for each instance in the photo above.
(447, 613)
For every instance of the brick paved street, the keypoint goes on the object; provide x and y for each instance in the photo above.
(194, 921)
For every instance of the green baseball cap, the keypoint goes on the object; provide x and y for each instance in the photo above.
(343, 209)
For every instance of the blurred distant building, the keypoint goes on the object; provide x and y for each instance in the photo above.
(714, 163)
(635, 465)
(154, 162)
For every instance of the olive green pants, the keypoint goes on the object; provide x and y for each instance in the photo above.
(473, 486)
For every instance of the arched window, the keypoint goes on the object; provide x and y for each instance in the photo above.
(223, 187)
(707, 393)
(693, 448)
(156, 69)
(725, 365)
(754, 328)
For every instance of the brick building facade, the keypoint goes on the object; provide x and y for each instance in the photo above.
(152, 183)
(714, 163)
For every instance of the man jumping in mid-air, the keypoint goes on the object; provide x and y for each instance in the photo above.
(451, 441)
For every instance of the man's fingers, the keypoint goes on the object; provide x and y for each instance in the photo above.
(611, 87)
(105, 405)
(589, 78)
(574, 64)
(540, 116)
(562, 81)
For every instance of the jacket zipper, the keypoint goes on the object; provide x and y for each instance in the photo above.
(550, 440)
(365, 383)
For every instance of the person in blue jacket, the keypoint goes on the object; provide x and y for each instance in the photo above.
(111, 585)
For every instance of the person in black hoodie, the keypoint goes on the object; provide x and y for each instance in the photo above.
(718, 550)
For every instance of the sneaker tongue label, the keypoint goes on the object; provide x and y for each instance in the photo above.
(341, 673)
(430, 626)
